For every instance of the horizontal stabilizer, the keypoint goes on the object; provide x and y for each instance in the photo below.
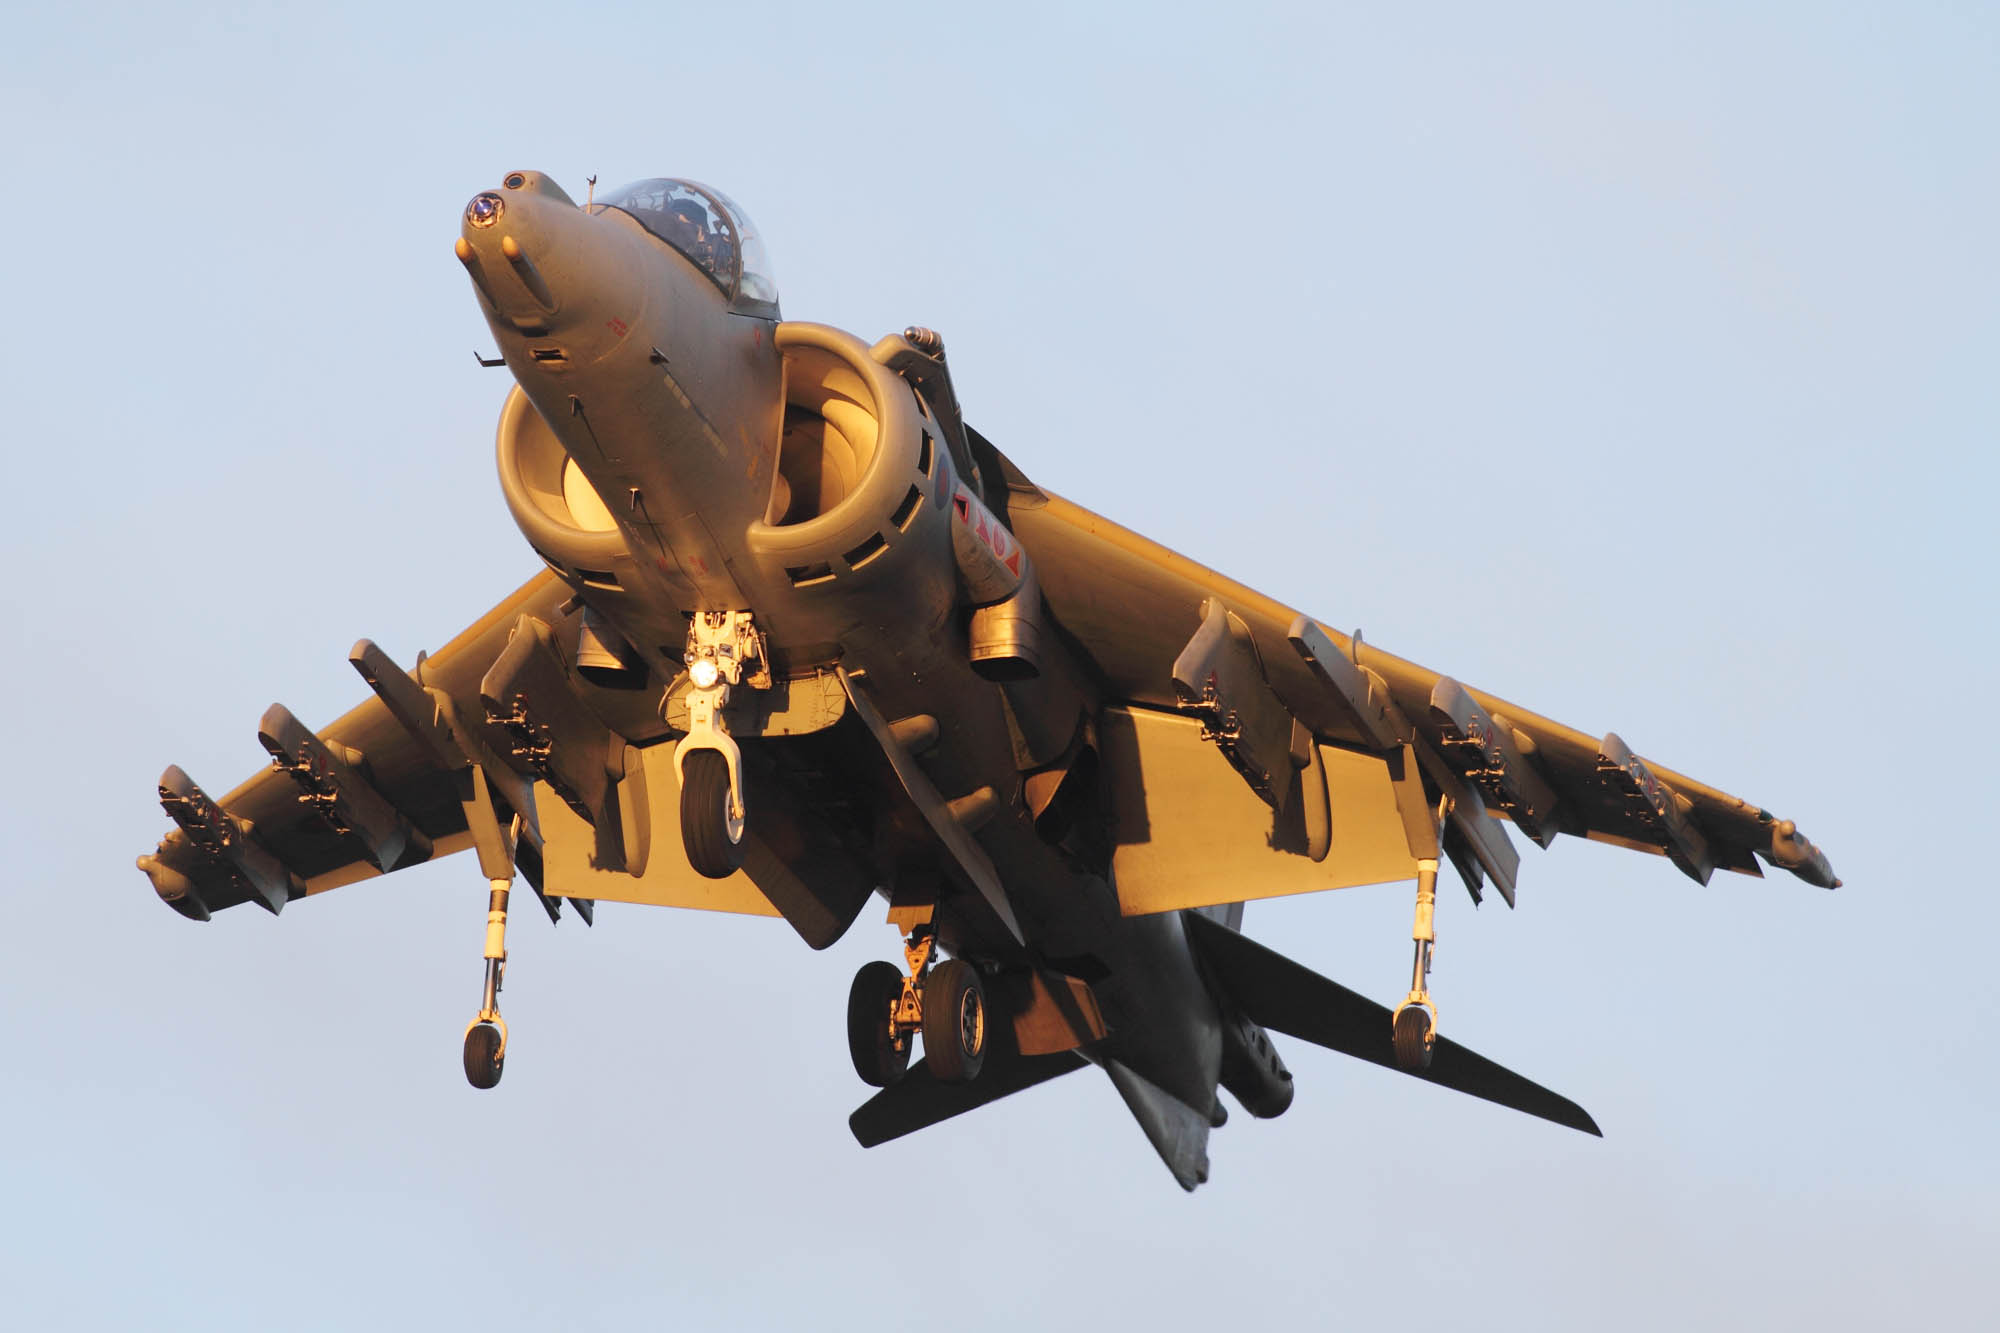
(1287, 997)
(919, 1100)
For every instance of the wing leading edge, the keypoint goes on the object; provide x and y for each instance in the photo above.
(404, 776)
(281, 835)
(1137, 610)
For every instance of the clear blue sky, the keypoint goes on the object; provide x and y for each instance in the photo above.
(1640, 369)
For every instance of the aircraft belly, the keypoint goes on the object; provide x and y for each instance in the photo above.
(1163, 1025)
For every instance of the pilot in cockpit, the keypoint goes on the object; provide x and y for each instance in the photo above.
(687, 228)
(722, 255)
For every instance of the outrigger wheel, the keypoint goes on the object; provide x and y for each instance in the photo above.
(954, 1021)
(1413, 1037)
(485, 1054)
(711, 829)
(881, 1055)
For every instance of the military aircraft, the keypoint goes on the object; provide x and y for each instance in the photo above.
(805, 638)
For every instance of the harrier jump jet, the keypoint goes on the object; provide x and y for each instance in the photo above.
(805, 639)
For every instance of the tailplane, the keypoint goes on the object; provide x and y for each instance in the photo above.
(1287, 997)
(919, 1100)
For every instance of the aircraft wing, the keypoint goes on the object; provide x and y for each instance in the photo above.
(1185, 646)
(429, 765)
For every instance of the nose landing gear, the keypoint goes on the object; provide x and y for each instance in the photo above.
(725, 649)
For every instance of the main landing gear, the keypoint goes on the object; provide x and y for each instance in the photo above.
(886, 1009)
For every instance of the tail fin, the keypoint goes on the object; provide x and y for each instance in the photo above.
(1287, 997)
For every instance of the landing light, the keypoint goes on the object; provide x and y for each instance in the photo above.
(704, 672)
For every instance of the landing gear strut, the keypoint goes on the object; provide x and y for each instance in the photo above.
(1416, 1016)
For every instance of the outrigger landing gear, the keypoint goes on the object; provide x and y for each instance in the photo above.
(1416, 1017)
(486, 1035)
(886, 1009)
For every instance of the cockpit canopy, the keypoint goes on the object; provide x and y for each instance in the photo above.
(707, 227)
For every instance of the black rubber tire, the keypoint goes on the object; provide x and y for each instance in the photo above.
(1413, 1030)
(705, 815)
(483, 1060)
(879, 1060)
(955, 1036)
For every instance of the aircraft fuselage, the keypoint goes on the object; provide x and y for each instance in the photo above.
(729, 461)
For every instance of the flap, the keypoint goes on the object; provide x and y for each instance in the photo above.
(1188, 832)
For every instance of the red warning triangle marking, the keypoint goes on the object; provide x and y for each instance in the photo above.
(1014, 561)
(958, 503)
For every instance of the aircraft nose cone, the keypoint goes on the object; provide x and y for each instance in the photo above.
(544, 267)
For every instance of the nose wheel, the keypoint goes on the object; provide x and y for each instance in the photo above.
(712, 816)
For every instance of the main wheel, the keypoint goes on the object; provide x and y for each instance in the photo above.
(713, 840)
(1413, 1037)
(954, 1021)
(877, 1058)
(483, 1060)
